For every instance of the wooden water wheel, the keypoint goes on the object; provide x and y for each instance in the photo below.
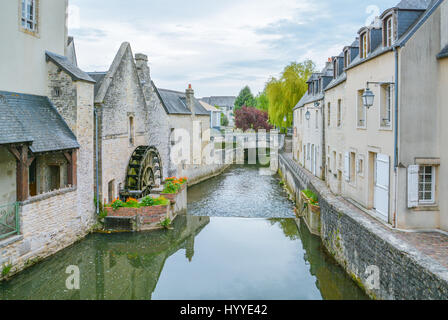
(144, 172)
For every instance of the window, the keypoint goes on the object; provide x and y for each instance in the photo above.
(329, 114)
(360, 165)
(388, 32)
(352, 166)
(339, 113)
(346, 58)
(301, 116)
(364, 46)
(131, 131)
(317, 119)
(56, 92)
(335, 168)
(29, 15)
(361, 114)
(386, 106)
(426, 184)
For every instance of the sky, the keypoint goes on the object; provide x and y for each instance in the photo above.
(217, 46)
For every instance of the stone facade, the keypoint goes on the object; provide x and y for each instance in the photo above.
(358, 243)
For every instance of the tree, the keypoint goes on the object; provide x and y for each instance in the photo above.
(262, 102)
(251, 118)
(245, 98)
(284, 93)
(224, 120)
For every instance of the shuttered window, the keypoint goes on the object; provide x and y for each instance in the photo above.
(421, 185)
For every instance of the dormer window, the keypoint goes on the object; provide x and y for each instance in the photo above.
(346, 58)
(29, 15)
(388, 31)
(364, 46)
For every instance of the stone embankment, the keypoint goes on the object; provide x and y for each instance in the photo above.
(386, 263)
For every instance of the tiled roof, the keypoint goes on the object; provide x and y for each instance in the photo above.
(175, 103)
(443, 53)
(342, 77)
(220, 101)
(30, 118)
(98, 77)
(308, 98)
(208, 107)
(64, 63)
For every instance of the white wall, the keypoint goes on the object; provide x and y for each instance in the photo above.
(23, 67)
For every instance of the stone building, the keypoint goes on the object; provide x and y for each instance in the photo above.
(225, 103)
(308, 144)
(46, 130)
(215, 115)
(383, 135)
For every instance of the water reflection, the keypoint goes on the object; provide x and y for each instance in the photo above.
(202, 257)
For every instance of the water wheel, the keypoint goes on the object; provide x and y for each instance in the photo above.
(144, 172)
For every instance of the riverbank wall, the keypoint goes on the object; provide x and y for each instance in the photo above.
(382, 264)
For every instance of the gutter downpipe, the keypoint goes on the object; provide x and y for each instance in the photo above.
(396, 139)
(96, 162)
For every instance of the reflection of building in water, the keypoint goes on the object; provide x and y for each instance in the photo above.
(330, 278)
(119, 266)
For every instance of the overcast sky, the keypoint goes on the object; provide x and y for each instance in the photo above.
(217, 46)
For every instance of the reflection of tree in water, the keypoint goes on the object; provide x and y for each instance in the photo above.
(288, 227)
(117, 266)
(331, 279)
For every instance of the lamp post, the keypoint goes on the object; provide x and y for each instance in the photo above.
(307, 115)
(368, 97)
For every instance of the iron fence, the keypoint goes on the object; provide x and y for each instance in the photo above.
(9, 220)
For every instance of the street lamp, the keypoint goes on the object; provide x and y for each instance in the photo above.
(367, 98)
(307, 115)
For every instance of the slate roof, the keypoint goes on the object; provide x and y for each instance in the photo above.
(308, 98)
(220, 101)
(175, 103)
(208, 107)
(65, 64)
(335, 82)
(443, 53)
(30, 118)
(98, 77)
(413, 4)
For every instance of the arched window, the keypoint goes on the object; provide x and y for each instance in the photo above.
(131, 131)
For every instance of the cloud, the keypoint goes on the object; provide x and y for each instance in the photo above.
(218, 46)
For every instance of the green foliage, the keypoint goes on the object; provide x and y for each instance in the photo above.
(312, 196)
(171, 187)
(118, 204)
(6, 269)
(166, 223)
(224, 120)
(149, 201)
(284, 93)
(245, 98)
(262, 101)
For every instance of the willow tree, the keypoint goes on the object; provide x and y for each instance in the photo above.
(284, 93)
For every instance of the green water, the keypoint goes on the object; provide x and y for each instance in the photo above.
(211, 253)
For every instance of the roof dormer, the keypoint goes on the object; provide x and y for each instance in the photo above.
(364, 42)
(389, 28)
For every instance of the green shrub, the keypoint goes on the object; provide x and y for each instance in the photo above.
(312, 196)
(148, 201)
(117, 204)
(166, 223)
(171, 187)
(6, 269)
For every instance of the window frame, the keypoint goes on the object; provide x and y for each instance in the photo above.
(364, 110)
(389, 31)
(339, 114)
(364, 48)
(24, 16)
(387, 101)
(432, 201)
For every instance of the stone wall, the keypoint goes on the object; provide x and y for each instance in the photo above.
(359, 242)
(49, 223)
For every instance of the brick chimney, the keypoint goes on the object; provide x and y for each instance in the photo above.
(141, 62)
(189, 94)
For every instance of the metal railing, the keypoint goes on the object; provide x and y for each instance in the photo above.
(9, 220)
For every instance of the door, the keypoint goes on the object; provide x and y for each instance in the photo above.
(312, 159)
(381, 192)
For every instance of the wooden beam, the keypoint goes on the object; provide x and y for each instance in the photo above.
(22, 174)
(14, 152)
(71, 167)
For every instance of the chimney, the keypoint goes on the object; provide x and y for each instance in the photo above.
(189, 94)
(329, 62)
(141, 62)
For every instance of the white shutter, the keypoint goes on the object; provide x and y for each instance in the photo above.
(413, 186)
(347, 166)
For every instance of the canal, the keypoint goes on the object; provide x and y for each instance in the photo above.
(239, 240)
